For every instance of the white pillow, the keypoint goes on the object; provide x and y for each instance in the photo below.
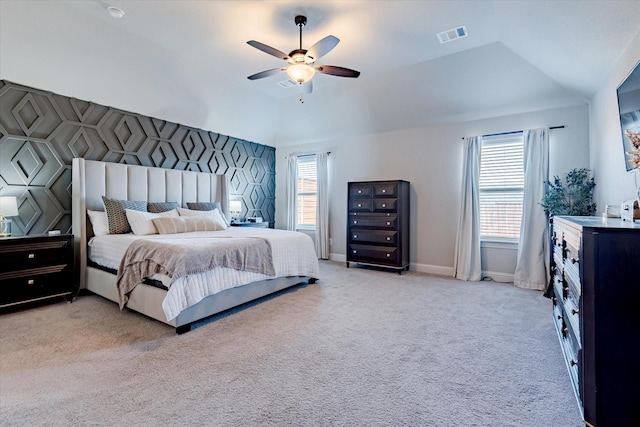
(215, 214)
(187, 224)
(141, 222)
(99, 222)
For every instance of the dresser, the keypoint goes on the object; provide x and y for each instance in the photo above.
(378, 224)
(34, 268)
(596, 311)
(250, 224)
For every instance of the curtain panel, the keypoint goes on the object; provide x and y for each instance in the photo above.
(322, 206)
(532, 267)
(466, 264)
(292, 192)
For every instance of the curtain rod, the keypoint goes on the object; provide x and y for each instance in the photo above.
(517, 131)
(304, 154)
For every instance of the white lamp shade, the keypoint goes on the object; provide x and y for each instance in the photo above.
(8, 206)
(300, 72)
(235, 205)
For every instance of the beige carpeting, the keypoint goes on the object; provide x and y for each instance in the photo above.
(359, 348)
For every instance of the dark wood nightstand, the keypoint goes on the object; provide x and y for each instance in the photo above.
(34, 268)
(250, 224)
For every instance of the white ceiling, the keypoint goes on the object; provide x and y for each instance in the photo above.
(187, 61)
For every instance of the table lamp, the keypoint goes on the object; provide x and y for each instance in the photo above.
(235, 207)
(8, 207)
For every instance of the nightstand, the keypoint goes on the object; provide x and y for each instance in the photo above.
(34, 268)
(250, 224)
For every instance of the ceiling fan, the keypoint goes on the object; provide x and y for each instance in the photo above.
(302, 67)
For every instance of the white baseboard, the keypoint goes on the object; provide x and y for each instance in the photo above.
(498, 277)
(438, 269)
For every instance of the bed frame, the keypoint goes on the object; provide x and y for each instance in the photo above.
(93, 179)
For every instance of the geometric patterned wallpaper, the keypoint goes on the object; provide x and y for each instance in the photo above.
(40, 132)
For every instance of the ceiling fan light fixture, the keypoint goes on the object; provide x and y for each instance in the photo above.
(300, 72)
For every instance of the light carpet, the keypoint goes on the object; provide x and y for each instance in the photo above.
(361, 347)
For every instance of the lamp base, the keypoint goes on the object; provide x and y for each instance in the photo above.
(5, 227)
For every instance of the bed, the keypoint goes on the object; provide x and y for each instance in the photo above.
(94, 179)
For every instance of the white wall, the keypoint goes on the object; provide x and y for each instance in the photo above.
(613, 183)
(431, 158)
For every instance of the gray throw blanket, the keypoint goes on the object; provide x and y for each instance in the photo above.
(180, 257)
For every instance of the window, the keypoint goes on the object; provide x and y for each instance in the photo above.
(501, 186)
(307, 191)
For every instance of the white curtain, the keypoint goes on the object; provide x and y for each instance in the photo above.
(466, 264)
(322, 207)
(533, 251)
(292, 192)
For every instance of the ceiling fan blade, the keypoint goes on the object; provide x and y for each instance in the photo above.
(268, 49)
(322, 47)
(337, 71)
(266, 73)
(307, 87)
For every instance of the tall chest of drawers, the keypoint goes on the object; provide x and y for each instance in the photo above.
(378, 224)
(34, 268)
(596, 310)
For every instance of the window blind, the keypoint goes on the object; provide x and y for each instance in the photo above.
(501, 186)
(307, 191)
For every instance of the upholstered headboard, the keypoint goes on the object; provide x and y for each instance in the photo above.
(93, 179)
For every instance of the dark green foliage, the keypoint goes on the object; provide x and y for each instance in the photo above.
(574, 199)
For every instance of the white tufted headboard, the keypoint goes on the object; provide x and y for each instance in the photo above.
(93, 179)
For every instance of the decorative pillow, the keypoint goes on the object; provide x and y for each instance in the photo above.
(215, 214)
(116, 215)
(141, 223)
(99, 222)
(186, 224)
(157, 207)
(207, 206)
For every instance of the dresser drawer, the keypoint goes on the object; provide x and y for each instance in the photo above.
(385, 205)
(31, 255)
(34, 284)
(385, 189)
(377, 254)
(377, 221)
(360, 190)
(360, 205)
(373, 236)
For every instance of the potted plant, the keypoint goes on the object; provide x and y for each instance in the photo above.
(576, 198)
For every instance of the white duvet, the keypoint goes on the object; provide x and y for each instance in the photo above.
(293, 255)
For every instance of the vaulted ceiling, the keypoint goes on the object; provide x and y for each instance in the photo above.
(188, 61)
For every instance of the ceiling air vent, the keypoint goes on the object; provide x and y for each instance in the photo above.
(452, 34)
(287, 83)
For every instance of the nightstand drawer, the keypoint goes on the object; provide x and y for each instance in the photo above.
(36, 283)
(385, 189)
(385, 205)
(361, 205)
(360, 190)
(31, 255)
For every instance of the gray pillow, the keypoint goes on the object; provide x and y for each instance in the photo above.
(208, 206)
(117, 217)
(159, 207)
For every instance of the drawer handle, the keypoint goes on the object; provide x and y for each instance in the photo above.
(355, 221)
(388, 255)
(384, 205)
(574, 311)
(31, 256)
(355, 252)
(573, 362)
(359, 205)
(384, 191)
(388, 238)
(559, 317)
(355, 236)
(31, 282)
(574, 260)
(388, 222)
(359, 191)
